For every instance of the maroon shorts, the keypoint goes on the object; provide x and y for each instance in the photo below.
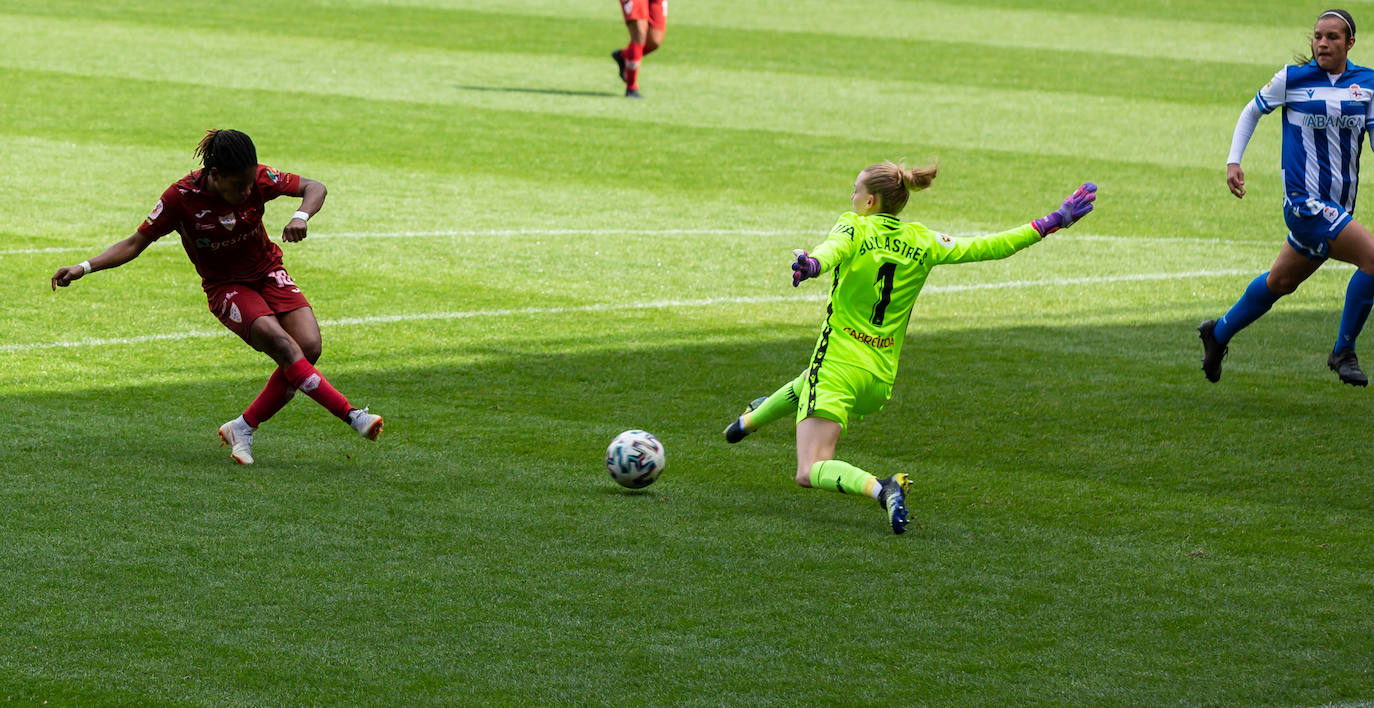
(655, 11)
(238, 304)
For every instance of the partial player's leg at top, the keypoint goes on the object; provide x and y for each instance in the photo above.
(647, 22)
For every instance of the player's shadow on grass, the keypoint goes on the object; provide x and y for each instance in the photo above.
(1121, 405)
(550, 92)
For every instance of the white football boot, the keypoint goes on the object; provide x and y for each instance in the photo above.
(238, 435)
(367, 424)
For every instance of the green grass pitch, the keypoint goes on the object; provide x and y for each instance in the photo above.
(515, 263)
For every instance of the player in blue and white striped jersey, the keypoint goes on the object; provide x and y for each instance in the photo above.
(1328, 104)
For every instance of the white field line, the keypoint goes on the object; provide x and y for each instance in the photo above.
(610, 307)
(458, 233)
(352, 235)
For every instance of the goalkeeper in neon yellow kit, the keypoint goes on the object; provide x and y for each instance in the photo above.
(879, 266)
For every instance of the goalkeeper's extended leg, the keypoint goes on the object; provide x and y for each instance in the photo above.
(762, 411)
(817, 468)
(890, 492)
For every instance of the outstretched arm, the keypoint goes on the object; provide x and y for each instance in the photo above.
(1001, 245)
(118, 254)
(312, 195)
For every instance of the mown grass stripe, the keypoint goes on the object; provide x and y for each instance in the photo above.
(963, 61)
(953, 116)
(610, 307)
(801, 233)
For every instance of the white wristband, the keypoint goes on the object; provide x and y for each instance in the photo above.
(85, 266)
(301, 215)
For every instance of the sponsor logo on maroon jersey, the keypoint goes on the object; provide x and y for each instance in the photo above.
(216, 245)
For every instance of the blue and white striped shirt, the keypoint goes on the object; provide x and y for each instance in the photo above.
(1324, 124)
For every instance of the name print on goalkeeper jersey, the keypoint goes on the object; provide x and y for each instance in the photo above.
(880, 266)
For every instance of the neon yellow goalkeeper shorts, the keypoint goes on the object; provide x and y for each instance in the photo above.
(837, 391)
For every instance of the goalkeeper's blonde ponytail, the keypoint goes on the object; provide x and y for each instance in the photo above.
(892, 183)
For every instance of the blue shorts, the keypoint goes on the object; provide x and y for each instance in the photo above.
(1312, 225)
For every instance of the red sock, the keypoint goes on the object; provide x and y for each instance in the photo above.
(650, 50)
(274, 395)
(303, 375)
(633, 54)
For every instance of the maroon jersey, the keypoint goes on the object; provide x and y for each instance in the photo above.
(227, 243)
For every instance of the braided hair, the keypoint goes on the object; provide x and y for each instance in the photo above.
(226, 151)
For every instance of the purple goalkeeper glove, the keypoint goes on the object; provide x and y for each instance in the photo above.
(1074, 208)
(805, 267)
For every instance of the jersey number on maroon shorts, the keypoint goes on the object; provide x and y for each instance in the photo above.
(283, 280)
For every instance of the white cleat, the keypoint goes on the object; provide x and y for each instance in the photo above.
(238, 435)
(367, 424)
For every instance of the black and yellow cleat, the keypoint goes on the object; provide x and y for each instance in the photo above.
(736, 431)
(893, 499)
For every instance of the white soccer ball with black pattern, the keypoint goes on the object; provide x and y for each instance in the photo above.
(635, 459)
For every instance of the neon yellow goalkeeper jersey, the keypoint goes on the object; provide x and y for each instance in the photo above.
(880, 265)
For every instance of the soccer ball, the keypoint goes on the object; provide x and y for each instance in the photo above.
(634, 459)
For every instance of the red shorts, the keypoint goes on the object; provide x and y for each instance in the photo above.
(238, 304)
(655, 11)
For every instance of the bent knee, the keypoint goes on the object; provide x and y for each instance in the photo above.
(275, 345)
(312, 350)
(803, 477)
(1283, 286)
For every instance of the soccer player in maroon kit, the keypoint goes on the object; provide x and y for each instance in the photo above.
(647, 21)
(218, 211)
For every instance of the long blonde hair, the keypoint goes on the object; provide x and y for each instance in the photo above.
(892, 183)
